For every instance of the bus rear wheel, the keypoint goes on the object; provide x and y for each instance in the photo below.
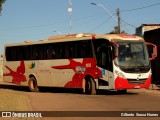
(90, 87)
(33, 87)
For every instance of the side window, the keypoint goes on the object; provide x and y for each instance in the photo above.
(9, 55)
(66, 50)
(14, 53)
(31, 53)
(70, 49)
(84, 49)
(76, 49)
(60, 50)
(26, 53)
(103, 48)
(40, 51)
(104, 57)
(49, 51)
(34, 52)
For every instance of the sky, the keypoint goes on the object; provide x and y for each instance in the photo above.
(38, 19)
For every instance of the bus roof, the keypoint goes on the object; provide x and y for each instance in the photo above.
(110, 37)
(82, 36)
(68, 36)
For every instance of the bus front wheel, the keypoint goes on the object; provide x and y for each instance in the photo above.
(90, 87)
(124, 91)
(33, 87)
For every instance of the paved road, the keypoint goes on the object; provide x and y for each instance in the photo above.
(133, 100)
(53, 99)
(59, 100)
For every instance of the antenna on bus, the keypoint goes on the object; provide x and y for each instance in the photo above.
(70, 15)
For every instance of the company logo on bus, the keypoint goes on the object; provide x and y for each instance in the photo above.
(32, 65)
(127, 36)
(138, 77)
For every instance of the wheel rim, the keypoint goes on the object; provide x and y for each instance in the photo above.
(32, 84)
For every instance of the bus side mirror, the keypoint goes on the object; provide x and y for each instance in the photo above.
(152, 49)
(115, 50)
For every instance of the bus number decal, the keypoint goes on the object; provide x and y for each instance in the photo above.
(88, 65)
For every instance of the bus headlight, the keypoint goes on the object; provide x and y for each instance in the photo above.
(120, 74)
(150, 74)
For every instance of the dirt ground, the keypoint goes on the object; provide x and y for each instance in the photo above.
(12, 100)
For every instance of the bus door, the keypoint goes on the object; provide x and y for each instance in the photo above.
(104, 62)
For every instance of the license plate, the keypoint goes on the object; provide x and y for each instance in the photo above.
(137, 87)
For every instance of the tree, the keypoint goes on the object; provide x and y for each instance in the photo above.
(1, 2)
(115, 31)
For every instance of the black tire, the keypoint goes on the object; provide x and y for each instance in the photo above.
(90, 87)
(33, 87)
(122, 91)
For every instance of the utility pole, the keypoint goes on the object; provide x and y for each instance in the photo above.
(119, 20)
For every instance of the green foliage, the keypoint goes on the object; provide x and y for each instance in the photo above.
(1, 2)
(115, 31)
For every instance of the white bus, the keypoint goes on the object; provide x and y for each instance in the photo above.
(88, 61)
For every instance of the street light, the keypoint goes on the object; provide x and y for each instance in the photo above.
(100, 5)
(70, 15)
(105, 10)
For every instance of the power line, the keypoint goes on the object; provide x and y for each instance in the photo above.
(99, 25)
(89, 21)
(107, 20)
(46, 25)
(29, 27)
(140, 8)
(128, 23)
(154, 20)
(135, 10)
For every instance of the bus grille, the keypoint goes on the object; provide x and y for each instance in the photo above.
(135, 81)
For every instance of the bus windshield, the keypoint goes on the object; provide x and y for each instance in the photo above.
(132, 55)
